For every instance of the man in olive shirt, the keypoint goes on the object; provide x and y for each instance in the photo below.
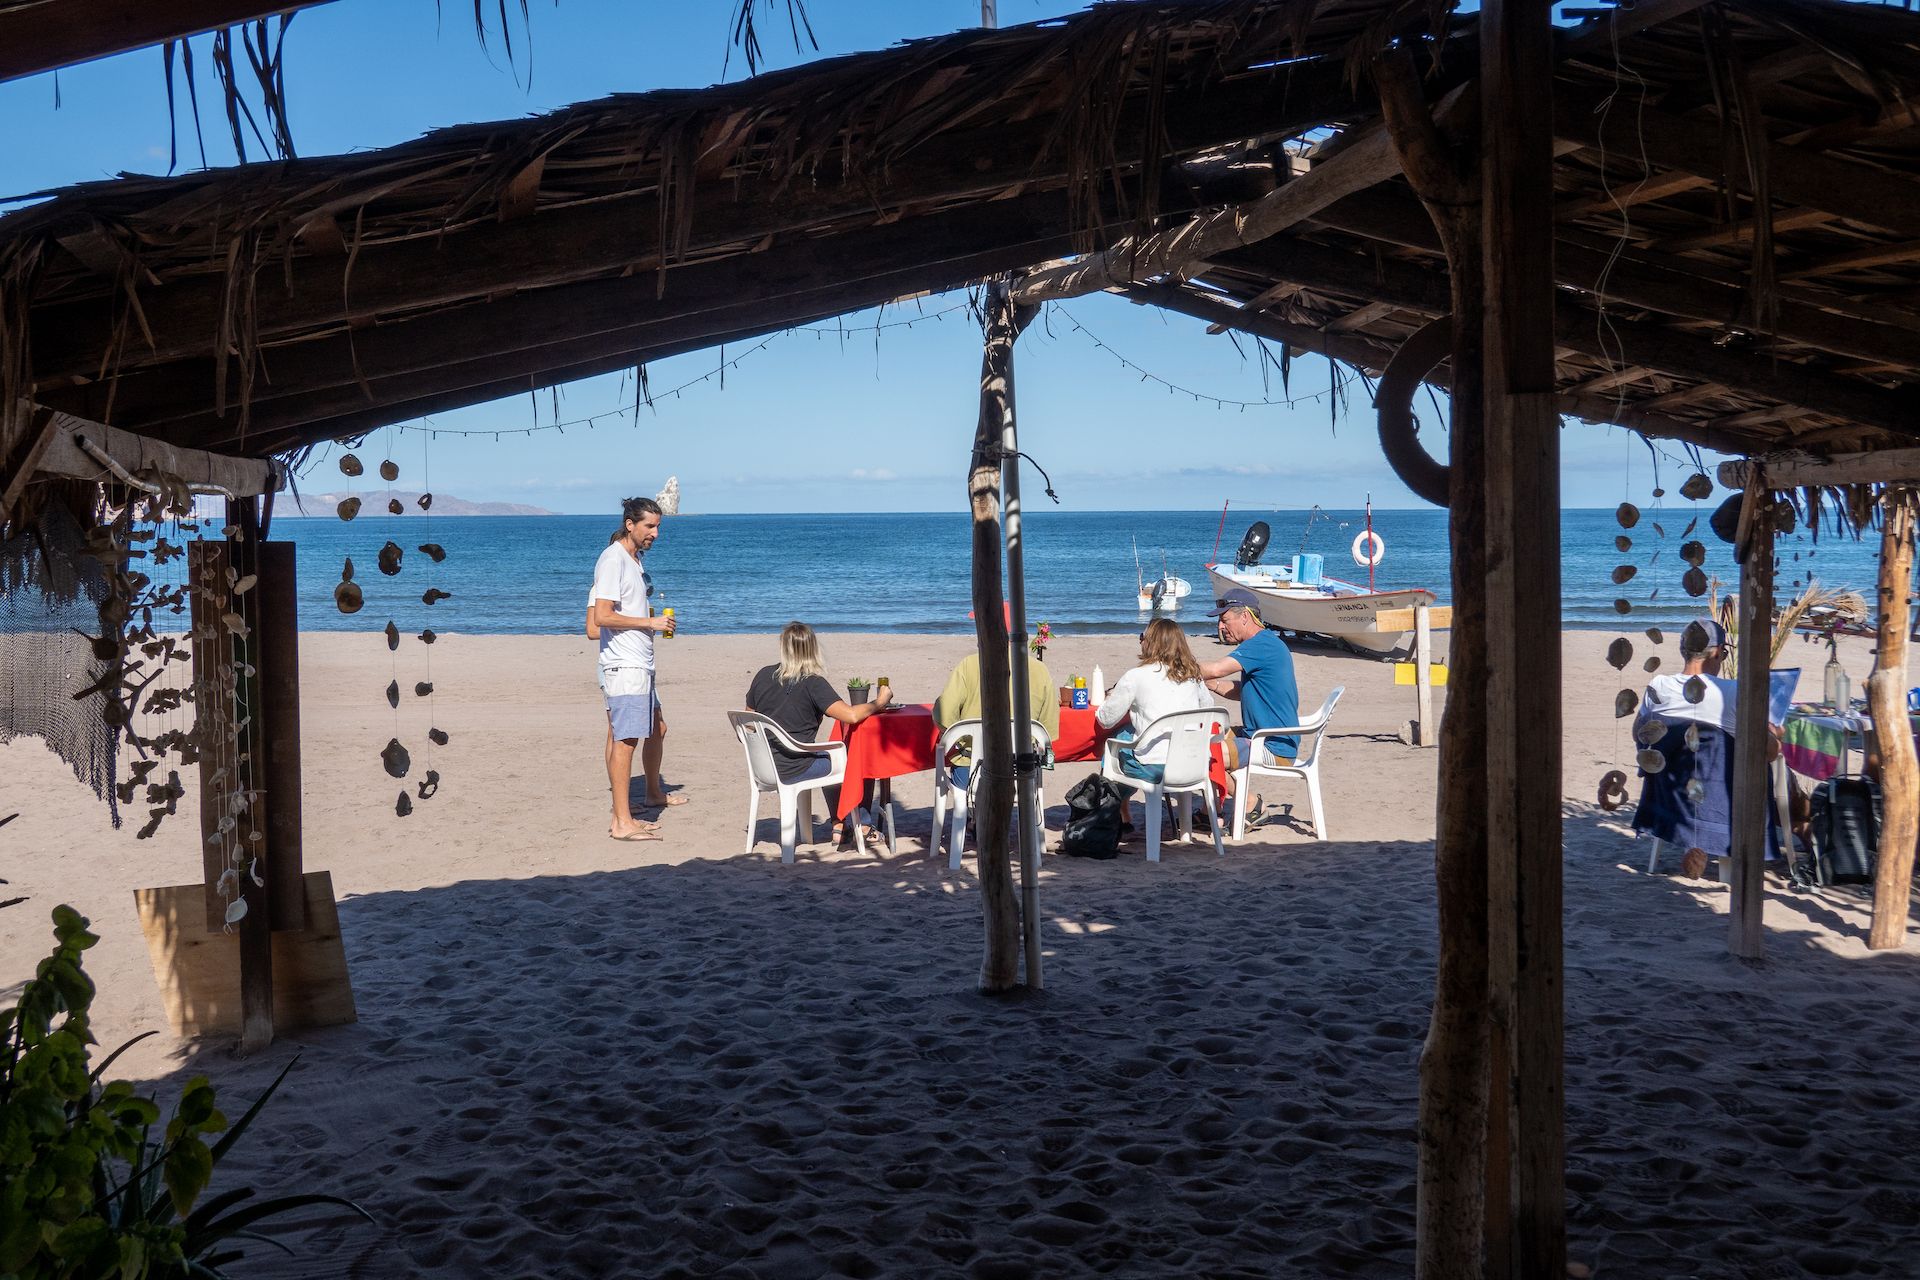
(960, 700)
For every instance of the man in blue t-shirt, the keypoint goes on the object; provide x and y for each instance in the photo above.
(1269, 698)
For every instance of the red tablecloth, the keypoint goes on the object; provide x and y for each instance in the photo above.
(902, 741)
(892, 744)
(1080, 736)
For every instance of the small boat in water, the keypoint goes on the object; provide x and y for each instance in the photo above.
(1164, 594)
(1297, 596)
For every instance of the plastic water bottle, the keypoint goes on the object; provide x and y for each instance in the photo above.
(1099, 692)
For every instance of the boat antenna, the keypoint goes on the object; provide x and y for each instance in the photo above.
(1307, 531)
(1215, 558)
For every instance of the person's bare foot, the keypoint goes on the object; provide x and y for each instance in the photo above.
(634, 831)
(664, 801)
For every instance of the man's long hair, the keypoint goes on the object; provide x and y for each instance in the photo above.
(632, 509)
(799, 653)
(1163, 644)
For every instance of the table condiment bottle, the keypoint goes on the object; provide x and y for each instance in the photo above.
(1080, 702)
(1099, 694)
(1833, 676)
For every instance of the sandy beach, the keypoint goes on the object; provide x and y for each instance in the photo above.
(578, 1057)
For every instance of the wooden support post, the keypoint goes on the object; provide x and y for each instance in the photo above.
(256, 927)
(1460, 1196)
(1524, 846)
(277, 648)
(1887, 703)
(1000, 967)
(229, 731)
(1745, 936)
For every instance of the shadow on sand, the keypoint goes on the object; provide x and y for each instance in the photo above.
(733, 1068)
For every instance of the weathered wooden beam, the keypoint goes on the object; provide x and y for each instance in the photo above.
(1649, 346)
(486, 257)
(1617, 378)
(1892, 736)
(1795, 470)
(1681, 287)
(1523, 735)
(1746, 932)
(1871, 255)
(76, 448)
(1626, 193)
(1798, 176)
(1362, 316)
(59, 33)
(1741, 230)
(1369, 159)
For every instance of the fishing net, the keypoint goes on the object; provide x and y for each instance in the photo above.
(50, 596)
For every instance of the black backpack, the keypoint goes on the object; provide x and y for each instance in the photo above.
(1095, 808)
(1846, 830)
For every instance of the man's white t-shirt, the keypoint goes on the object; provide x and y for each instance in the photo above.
(617, 576)
(1666, 697)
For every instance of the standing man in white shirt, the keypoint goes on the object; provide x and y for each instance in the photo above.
(624, 615)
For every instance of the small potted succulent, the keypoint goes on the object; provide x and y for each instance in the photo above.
(858, 690)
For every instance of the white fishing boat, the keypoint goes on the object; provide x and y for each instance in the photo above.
(1297, 596)
(1163, 594)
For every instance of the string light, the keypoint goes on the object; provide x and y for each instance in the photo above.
(1199, 397)
(652, 398)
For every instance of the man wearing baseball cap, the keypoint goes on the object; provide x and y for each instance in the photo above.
(1688, 802)
(1263, 665)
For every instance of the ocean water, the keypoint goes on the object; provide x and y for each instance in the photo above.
(910, 572)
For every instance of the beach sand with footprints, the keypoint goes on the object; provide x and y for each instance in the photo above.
(577, 1057)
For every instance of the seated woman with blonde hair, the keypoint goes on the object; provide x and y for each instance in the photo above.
(794, 694)
(1167, 680)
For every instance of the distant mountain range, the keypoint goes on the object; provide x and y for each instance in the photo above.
(373, 502)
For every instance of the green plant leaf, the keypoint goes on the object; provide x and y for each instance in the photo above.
(187, 1168)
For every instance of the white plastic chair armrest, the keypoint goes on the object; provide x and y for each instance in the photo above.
(1284, 732)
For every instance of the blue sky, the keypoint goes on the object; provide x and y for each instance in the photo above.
(877, 420)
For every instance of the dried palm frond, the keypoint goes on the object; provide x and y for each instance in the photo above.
(1837, 608)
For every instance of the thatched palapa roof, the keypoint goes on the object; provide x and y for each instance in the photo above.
(1738, 233)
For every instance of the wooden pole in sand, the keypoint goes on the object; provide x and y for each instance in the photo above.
(1887, 704)
(1453, 1200)
(1000, 968)
(1751, 737)
(1026, 765)
(1522, 443)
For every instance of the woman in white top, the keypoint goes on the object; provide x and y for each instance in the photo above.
(1167, 680)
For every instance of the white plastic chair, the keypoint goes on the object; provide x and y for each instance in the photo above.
(947, 797)
(1305, 766)
(758, 735)
(1190, 739)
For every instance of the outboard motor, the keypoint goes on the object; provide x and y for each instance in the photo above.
(1253, 546)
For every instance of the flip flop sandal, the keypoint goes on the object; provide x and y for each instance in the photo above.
(634, 837)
